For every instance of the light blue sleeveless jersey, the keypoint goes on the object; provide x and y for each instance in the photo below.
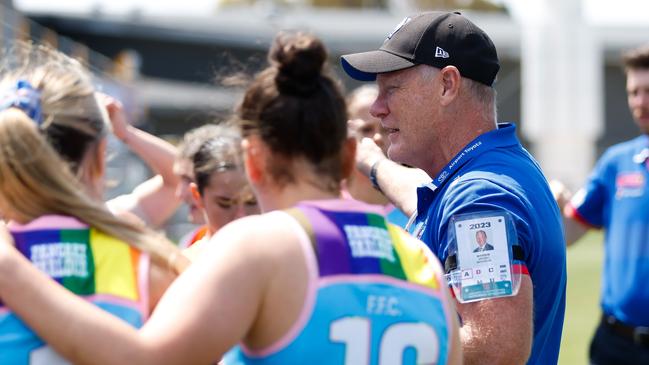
(376, 298)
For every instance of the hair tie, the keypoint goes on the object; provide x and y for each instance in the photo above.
(24, 97)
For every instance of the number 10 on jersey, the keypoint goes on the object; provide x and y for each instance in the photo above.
(355, 332)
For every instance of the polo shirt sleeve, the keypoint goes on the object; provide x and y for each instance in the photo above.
(588, 204)
(477, 195)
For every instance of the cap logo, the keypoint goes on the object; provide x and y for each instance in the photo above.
(399, 26)
(441, 53)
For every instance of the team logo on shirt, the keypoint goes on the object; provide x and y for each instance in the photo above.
(629, 184)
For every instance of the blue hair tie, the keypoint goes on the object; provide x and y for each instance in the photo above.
(24, 97)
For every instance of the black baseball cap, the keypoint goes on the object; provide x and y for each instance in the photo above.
(436, 39)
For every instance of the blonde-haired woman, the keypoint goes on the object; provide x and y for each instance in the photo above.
(52, 148)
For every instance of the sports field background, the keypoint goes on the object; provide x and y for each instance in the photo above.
(582, 307)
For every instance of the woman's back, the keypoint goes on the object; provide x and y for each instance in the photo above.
(102, 269)
(365, 282)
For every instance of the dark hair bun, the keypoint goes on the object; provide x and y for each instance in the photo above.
(298, 58)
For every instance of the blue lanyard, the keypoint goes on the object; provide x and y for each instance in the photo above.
(503, 136)
(482, 143)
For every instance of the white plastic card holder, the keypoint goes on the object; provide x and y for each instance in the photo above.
(480, 264)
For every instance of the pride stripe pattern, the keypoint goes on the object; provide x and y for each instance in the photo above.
(104, 270)
(357, 242)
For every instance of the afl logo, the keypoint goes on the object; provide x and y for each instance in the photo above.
(396, 29)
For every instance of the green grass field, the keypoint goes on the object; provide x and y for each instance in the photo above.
(582, 307)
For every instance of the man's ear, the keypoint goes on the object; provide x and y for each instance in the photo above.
(253, 158)
(196, 195)
(349, 157)
(450, 78)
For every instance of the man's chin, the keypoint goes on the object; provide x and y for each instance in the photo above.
(395, 154)
(643, 125)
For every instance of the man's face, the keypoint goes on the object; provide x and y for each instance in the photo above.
(637, 88)
(183, 168)
(481, 238)
(406, 108)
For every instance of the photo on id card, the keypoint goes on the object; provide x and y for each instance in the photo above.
(483, 255)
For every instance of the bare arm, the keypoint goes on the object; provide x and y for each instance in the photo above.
(498, 331)
(153, 200)
(573, 229)
(202, 315)
(455, 352)
(160, 278)
(398, 183)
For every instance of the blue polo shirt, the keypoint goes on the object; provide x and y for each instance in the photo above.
(494, 172)
(616, 198)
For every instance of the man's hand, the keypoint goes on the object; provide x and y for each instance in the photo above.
(368, 153)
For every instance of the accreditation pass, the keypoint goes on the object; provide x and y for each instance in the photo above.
(484, 259)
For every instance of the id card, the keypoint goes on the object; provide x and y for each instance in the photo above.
(483, 242)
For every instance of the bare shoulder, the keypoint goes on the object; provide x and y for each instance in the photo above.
(264, 237)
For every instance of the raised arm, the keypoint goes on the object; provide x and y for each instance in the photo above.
(154, 200)
(397, 182)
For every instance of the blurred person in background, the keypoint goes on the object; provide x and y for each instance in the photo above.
(183, 167)
(363, 125)
(221, 190)
(616, 198)
(296, 284)
(52, 163)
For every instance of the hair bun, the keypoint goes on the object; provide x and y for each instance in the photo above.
(299, 59)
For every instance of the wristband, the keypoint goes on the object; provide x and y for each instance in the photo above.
(373, 179)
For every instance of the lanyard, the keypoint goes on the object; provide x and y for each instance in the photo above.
(503, 136)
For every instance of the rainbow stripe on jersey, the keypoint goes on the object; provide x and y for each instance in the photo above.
(374, 294)
(104, 270)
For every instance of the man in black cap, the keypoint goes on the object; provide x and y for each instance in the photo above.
(435, 74)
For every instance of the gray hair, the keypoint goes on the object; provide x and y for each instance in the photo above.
(479, 93)
(484, 96)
